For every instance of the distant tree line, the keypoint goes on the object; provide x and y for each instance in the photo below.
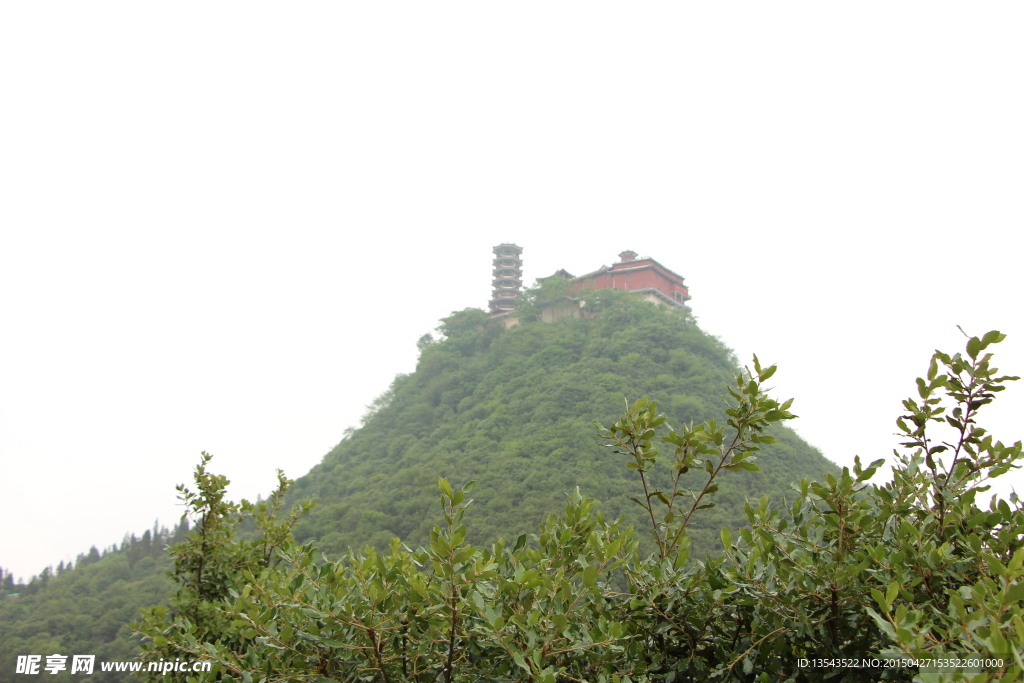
(84, 607)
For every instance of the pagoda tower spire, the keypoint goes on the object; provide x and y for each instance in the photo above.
(508, 277)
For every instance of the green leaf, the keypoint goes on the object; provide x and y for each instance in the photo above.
(748, 512)
(590, 576)
(445, 487)
(890, 594)
(1017, 560)
(992, 337)
(995, 566)
(973, 347)
(882, 622)
(560, 622)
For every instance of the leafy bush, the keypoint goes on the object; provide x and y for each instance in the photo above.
(912, 569)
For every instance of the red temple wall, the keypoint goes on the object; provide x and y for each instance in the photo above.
(622, 277)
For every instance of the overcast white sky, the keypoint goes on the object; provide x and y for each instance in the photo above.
(223, 226)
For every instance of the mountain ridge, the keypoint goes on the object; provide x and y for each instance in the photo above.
(513, 409)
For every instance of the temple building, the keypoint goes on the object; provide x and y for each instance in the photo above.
(644, 277)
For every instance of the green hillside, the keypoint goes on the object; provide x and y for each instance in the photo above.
(846, 581)
(85, 608)
(514, 410)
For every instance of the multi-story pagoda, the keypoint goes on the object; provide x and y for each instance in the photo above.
(508, 277)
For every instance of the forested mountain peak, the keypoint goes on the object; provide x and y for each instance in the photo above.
(510, 408)
(514, 409)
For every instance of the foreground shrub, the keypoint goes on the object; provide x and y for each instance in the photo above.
(914, 570)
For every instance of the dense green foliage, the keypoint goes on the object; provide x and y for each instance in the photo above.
(85, 608)
(514, 410)
(913, 569)
(838, 568)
